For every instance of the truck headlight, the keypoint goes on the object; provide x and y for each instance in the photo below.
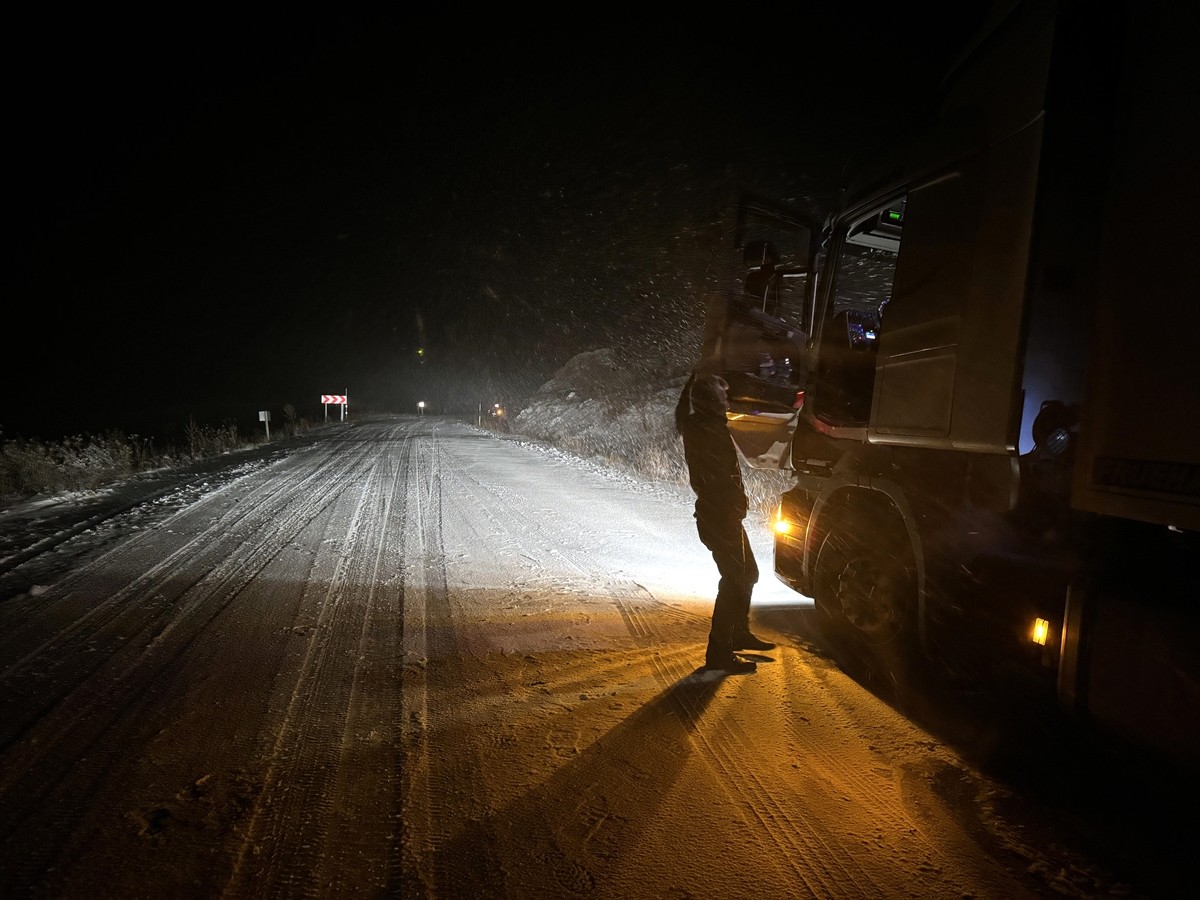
(1041, 631)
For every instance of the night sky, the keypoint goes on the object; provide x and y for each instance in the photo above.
(214, 216)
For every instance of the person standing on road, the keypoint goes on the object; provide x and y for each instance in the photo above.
(715, 474)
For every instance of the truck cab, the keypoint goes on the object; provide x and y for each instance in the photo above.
(995, 400)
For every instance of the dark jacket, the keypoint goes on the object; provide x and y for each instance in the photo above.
(714, 470)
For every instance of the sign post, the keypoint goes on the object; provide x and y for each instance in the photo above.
(264, 416)
(336, 400)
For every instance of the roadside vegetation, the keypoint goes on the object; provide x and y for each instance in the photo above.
(86, 462)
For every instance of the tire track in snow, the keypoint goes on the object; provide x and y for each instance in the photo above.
(365, 833)
(509, 513)
(436, 779)
(84, 616)
(795, 838)
(152, 633)
(815, 864)
(75, 739)
(292, 830)
(416, 873)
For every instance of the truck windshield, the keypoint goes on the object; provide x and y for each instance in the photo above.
(863, 271)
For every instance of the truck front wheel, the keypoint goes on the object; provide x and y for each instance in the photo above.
(865, 581)
(865, 592)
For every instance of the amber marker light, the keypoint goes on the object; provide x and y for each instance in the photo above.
(1041, 630)
(781, 525)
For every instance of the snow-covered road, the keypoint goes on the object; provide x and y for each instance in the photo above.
(413, 658)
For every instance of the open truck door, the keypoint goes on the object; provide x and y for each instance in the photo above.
(757, 326)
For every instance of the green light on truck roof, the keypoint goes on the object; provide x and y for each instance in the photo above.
(893, 215)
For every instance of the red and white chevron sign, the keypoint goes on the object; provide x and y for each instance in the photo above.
(337, 399)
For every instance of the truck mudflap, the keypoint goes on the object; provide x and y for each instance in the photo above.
(1131, 668)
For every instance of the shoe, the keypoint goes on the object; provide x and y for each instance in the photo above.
(730, 666)
(747, 641)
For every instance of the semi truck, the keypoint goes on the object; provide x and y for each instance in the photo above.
(980, 368)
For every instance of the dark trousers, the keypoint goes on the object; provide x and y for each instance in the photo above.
(739, 573)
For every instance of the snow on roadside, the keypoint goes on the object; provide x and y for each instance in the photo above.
(624, 417)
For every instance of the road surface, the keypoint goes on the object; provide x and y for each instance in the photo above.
(412, 658)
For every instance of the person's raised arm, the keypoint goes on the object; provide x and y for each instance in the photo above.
(683, 407)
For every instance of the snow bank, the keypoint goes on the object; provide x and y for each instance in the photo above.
(600, 406)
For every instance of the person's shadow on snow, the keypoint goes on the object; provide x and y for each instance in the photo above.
(585, 818)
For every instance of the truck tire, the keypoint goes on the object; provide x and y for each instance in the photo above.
(865, 593)
(865, 582)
